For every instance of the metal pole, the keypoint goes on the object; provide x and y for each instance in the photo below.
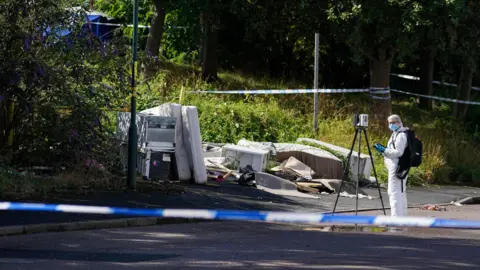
(132, 131)
(315, 84)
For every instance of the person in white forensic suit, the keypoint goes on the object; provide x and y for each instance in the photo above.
(392, 152)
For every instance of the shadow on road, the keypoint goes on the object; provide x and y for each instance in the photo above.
(91, 256)
(239, 245)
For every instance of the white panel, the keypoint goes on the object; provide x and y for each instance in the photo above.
(193, 143)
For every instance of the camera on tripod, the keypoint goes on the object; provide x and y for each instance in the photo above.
(360, 123)
(360, 120)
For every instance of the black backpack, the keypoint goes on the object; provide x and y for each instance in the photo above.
(416, 148)
(412, 156)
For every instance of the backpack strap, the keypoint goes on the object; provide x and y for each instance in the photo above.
(393, 141)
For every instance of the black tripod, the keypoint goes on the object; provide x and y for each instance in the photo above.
(357, 130)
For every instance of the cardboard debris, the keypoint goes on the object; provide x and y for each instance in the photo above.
(307, 189)
(296, 167)
(313, 187)
(323, 163)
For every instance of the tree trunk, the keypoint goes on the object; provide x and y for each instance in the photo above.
(154, 39)
(427, 66)
(463, 90)
(156, 30)
(380, 78)
(210, 48)
(3, 123)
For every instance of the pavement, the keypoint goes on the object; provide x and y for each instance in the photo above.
(224, 196)
(237, 245)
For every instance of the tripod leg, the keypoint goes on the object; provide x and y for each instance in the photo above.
(374, 171)
(345, 170)
(358, 173)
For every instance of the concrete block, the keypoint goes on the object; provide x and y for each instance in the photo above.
(273, 182)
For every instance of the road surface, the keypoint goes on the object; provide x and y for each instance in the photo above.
(241, 245)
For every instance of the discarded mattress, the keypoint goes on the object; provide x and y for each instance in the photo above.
(365, 162)
(323, 163)
(181, 158)
(193, 143)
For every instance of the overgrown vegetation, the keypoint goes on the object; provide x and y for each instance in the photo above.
(62, 82)
(229, 118)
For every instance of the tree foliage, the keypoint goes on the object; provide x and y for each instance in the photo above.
(59, 76)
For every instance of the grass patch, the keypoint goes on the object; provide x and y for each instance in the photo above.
(451, 154)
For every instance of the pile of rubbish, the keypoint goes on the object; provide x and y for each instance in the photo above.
(278, 166)
(170, 148)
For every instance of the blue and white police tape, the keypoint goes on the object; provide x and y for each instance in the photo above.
(410, 77)
(266, 216)
(373, 93)
(438, 98)
(283, 91)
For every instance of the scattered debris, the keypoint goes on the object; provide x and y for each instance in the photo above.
(433, 207)
(360, 196)
(248, 176)
(218, 171)
(334, 186)
(295, 168)
(456, 203)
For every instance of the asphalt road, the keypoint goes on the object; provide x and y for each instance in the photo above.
(227, 196)
(240, 245)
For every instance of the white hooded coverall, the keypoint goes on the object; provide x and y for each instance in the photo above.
(398, 199)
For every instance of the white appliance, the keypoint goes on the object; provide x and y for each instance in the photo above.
(243, 156)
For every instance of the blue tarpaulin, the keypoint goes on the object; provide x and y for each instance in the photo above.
(101, 31)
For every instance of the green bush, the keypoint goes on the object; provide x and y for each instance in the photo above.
(60, 85)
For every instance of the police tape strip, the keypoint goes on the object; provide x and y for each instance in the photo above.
(284, 91)
(373, 93)
(267, 216)
(438, 98)
(413, 78)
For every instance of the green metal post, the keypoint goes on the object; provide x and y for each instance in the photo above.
(132, 131)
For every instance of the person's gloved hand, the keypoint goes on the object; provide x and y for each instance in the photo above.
(380, 148)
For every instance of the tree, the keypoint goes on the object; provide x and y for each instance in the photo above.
(210, 23)
(50, 59)
(467, 48)
(434, 28)
(155, 33)
(377, 30)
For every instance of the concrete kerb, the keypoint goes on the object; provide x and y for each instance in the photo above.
(91, 225)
